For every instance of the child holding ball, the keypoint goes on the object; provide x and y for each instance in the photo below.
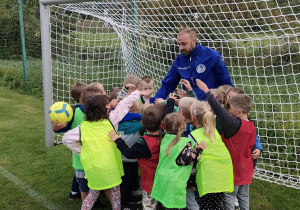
(100, 158)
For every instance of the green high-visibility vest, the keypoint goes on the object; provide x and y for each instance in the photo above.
(214, 170)
(170, 180)
(79, 116)
(100, 157)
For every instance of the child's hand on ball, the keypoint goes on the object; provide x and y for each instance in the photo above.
(58, 126)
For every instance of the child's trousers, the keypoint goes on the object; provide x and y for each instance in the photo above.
(93, 195)
(242, 194)
(130, 181)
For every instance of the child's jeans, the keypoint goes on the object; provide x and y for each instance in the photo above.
(191, 203)
(242, 194)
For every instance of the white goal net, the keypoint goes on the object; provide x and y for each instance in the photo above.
(104, 41)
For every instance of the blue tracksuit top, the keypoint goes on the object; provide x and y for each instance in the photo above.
(204, 64)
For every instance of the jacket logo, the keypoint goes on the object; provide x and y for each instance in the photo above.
(201, 68)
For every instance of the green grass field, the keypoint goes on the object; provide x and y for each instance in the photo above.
(36, 177)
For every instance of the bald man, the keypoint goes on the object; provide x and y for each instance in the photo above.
(194, 62)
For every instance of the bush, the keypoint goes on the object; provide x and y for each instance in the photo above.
(12, 77)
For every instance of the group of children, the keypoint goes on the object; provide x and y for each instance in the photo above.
(187, 150)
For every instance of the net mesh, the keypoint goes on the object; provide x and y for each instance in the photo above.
(259, 40)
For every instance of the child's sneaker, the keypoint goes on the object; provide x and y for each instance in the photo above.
(72, 197)
(236, 204)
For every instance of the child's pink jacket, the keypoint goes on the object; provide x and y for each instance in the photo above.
(72, 137)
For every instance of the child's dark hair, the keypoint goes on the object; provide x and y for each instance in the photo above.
(113, 93)
(88, 91)
(241, 101)
(151, 118)
(95, 108)
(161, 107)
(76, 91)
(174, 124)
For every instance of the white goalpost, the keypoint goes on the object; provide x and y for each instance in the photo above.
(103, 41)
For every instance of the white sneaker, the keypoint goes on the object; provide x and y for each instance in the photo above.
(236, 204)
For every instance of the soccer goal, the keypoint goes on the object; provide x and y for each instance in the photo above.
(104, 41)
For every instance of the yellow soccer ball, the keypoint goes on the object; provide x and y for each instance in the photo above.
(61, 111)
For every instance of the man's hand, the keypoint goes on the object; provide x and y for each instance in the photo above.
(58, 126)
(113, 135)
(202, 86)
(255, 154)
(159, 100)
(172, 95)
(187, 84)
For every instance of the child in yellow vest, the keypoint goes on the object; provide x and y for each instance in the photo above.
(214, 170)
(100, 158)
(173, 171)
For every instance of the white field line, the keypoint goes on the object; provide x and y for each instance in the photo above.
(32, 193)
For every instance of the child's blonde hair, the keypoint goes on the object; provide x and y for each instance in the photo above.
(98, 84)
(147, 79)
(184, 106)
(131, 79)
(204, 118)
(224, 88)
(136, 107)
(174, 124)
(220, 95)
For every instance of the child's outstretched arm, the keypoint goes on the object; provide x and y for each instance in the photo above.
(72, 140)
(129, 88)
(230, 124)
(123, 107)
(170, 104)
(139, 150)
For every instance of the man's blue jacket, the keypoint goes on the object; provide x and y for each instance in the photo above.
(204, 64)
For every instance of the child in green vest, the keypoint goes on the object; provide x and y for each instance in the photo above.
(80, 92)
(173, 170)
(214, 170)
(79, 183)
